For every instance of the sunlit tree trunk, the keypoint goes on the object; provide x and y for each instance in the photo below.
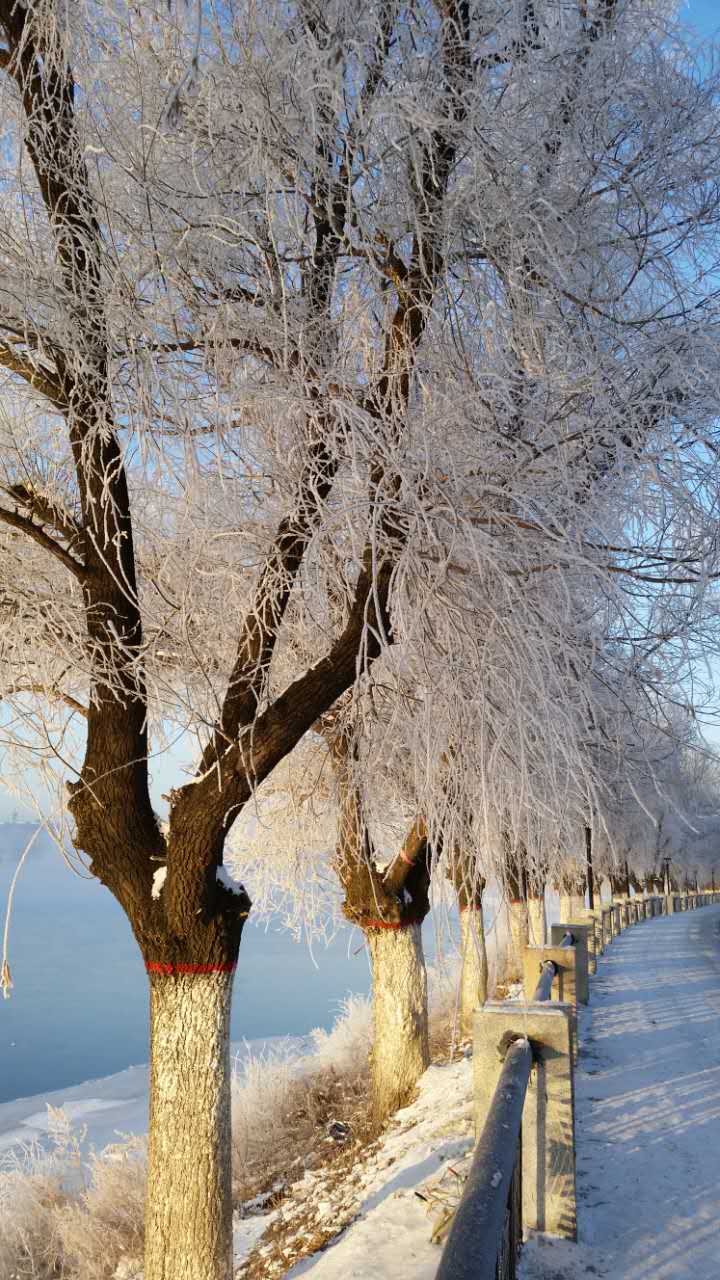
(537, 920)
(572, 896)
(469, 887)
(401, 1047)
(474, 966)
(188, 1212)
(389, 906)
(516, 905)
(619, 887)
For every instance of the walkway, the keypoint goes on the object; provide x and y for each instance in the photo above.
(648, 1107)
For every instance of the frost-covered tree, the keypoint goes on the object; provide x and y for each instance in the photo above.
(662, 812)
(388, 325)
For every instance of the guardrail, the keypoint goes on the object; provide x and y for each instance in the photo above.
(522, 1175)
(491, 1203)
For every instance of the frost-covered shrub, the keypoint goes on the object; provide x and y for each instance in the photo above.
(30, 1194)
(283, 1101)
(62, 1217)
(102, 1228)
(345, 1047)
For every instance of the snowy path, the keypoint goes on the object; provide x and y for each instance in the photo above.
(648, 1103)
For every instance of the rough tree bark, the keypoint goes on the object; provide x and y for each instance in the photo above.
(572, 895)
(473, 951)
(189, 1125)
(401, 1048)
(537, 921)
(516, 904)
(389, 905)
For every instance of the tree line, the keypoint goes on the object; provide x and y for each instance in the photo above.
(359, 427)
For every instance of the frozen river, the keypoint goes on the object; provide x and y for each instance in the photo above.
(78, 1009)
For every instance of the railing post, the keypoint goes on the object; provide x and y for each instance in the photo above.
(580, 931)
(548, 1127)
(587, 921)
(565, 961)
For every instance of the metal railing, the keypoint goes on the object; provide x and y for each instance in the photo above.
(549, 972)
(486, 1235)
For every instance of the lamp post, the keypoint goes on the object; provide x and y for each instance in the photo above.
(666, 870)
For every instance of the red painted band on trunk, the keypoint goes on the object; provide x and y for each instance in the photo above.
(156, 966)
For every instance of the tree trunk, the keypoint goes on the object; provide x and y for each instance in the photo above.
(619, 889)
(401, 1047)
(537, 922)
(516, 895)
(188, 1223)
(518, 938)
(572, 906)
(474, 970)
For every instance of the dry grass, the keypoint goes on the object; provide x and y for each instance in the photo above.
(60, 1218)
(297, 1140)
(282, 1106)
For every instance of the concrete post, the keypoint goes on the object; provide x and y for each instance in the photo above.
(581, 931)
(587, 920)
(565, 961)
(548, 1127)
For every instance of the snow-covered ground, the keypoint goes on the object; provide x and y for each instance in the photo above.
(396, 1194)
(648, 1099)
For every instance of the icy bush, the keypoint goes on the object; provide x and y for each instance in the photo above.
(345, 1047)
(62, 1217)
(283, 1102)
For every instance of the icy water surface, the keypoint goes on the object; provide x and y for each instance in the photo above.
(79, 1005)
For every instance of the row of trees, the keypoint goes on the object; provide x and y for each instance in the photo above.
(358, 427)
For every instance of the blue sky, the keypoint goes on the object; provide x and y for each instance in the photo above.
(703, 14)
